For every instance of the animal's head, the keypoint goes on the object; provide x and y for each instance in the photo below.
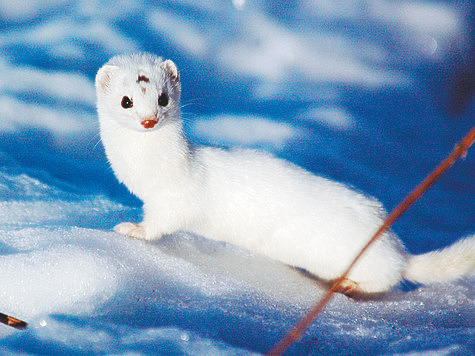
(140, 91)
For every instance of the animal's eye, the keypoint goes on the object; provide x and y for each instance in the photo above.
(163, 99)
(126, 102)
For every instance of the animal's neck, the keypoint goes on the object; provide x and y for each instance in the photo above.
(147, 161)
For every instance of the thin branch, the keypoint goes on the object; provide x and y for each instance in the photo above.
(13, 322)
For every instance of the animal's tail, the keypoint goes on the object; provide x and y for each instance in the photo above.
(443, 265)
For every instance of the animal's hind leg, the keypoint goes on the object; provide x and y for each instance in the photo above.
(350, 288)
(131, 230)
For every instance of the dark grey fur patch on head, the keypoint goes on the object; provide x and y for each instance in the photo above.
(143, 78)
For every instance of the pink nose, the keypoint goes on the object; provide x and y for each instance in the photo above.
(149, 123)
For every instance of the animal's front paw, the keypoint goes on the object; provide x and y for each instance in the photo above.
(131, 230)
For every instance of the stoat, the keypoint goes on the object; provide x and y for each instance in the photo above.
(246, 197)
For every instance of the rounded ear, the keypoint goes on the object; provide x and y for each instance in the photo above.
(171, 70)
(104, 76)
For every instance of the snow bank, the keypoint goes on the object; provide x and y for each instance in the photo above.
(55, 280)
(89, 290)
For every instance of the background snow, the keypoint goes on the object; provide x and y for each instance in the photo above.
(249, 131)
(358, 91)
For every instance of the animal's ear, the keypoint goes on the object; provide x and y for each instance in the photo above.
(104, 76)
(171, 70)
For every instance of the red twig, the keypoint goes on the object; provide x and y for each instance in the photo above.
(459, 151)
(13, 322)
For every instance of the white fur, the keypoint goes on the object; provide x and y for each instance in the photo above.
(244, 197)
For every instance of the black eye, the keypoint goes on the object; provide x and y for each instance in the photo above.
(163, 99)
(126, 102)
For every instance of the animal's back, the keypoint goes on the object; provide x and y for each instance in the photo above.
(285, 212)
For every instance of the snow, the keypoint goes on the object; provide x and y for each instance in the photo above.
(355, 91)
(249, 131)
(334, 117)
(184, 34)
(62, 85)
(271, 52)
(20, 114)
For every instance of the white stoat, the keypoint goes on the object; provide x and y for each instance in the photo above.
(246, 197)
